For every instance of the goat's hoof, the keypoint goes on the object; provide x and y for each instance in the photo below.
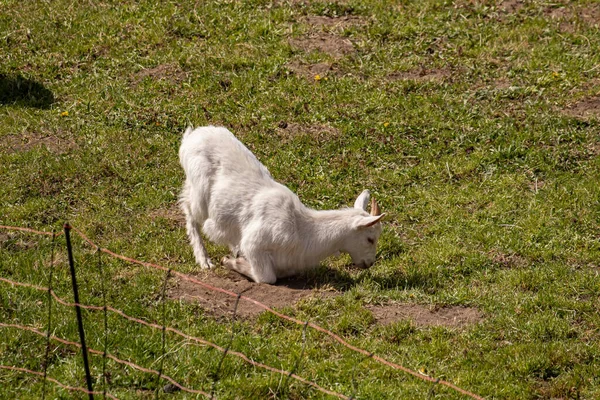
(206, 264)
(226, 261)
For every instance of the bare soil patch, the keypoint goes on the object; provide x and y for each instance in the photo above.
(31, 140)
(511, 6)
(558, 13)
(585, 109)
(453, 317)
(564, 15)
(570, 16)
(281, 3)
(310, 71)
(4, 237)
(334, 23)
(422, 75)
(508, 260)
(20, 244)
(502, 84)
(593, 148)
(333, 45)
(536, 185)
(171, 213)
(321, 133)
(285, 293)
(170, 72)
(590, 15)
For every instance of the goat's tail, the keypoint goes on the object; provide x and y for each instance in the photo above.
(188, 130)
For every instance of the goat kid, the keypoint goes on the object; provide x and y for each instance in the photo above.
(232, 197)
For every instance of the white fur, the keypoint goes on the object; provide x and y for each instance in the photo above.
(232, 197)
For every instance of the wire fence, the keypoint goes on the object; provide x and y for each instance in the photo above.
(173, 385)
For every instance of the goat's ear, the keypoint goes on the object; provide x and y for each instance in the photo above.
(365, 222)
(362, 201)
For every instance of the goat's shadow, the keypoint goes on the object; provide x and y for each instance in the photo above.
(319, 278)
(346, 278)
(24, 92)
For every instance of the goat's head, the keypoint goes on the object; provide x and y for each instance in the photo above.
(361, 244)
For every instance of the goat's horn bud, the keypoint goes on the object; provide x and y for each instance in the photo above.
(375, 211)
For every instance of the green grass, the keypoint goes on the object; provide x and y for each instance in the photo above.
(492, 190)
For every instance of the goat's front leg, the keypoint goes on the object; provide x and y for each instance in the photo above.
(235, 251)
(259, 269)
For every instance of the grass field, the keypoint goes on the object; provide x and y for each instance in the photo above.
(474, 123)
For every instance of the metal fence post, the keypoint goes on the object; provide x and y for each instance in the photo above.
(88, 377)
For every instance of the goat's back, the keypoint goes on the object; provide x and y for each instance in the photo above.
(224, 182)
(214, 151)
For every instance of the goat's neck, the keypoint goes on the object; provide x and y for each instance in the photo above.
(326, 231)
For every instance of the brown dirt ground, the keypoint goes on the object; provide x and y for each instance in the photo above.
(590, 15)
(28, 141)
(4, 237)
(422, 75)
(321, 133)
(172, 213)
(170, 72)
(558, 13)
(507, 260)
(502, 84)
(510, 6)
(330, 22)
(453, 317)
(309, 71)
(570, 16)
(504, 6)
(285, 293)
(333, 45)
(587, 108)
(536, 185)
(280, 3)
(20, 244)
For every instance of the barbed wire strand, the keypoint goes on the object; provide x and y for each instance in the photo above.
(47, 354)
(111, 356)
(185, 336)
(71, 388)
(22, 229)
(337, 338)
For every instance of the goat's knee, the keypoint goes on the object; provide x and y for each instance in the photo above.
(259, 273)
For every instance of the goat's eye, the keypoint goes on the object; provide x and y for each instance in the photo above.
(371, 240)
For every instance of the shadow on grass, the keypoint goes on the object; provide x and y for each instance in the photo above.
(404, 280)
(24, 92)
(345, 279)
(319, 278)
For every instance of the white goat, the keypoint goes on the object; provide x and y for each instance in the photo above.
(271, 234)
